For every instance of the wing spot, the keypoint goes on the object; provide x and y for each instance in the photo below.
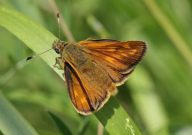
(75, 93)
(133, 52)
(83, 100)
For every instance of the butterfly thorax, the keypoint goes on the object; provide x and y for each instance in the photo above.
(73, 54)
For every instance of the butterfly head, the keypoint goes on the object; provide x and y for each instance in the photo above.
(58, 46)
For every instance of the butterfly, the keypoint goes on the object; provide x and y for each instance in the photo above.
(94, 68)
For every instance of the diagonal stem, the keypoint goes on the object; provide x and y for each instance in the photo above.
(171, 32)
(64, 26)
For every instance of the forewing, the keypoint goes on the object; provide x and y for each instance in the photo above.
(117, 58)
(85, 97)
(76, 91)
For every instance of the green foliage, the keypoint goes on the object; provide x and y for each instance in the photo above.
(11, 122)
(61, 126)
(157, 96)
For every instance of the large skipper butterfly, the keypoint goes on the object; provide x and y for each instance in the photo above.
(93, 69)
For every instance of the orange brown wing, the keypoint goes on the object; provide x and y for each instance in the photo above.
(76, 91)
(117, 58)
(85, 98)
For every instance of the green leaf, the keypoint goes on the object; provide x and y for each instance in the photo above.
(112, 116)
(83, 127)
(60, 124)
(1, 133)
(170, 30)
(11, 122)
(115, 120)
(34, 36)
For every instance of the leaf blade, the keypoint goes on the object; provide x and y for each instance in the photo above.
(64, 130)
(11, 122)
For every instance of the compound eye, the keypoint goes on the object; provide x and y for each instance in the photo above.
(57, 50)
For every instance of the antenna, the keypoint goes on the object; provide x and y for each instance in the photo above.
(59, 26)
(35, 55)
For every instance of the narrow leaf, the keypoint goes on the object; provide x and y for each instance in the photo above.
(60, 124)
(83, 127)
(11, 122)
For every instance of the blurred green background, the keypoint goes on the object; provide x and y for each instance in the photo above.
(158, 95)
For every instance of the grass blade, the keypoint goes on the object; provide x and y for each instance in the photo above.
(11, 122)
(1, 132)
(60, 124)
(171, 32)
(116, 120)
(83, 127)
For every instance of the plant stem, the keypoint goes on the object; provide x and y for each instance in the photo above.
(171, 32)
(64, 26)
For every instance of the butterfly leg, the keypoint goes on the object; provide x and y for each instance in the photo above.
(59, 63)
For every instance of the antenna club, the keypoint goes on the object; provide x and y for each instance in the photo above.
(58, 21)
(58, 15)
(29, 58)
